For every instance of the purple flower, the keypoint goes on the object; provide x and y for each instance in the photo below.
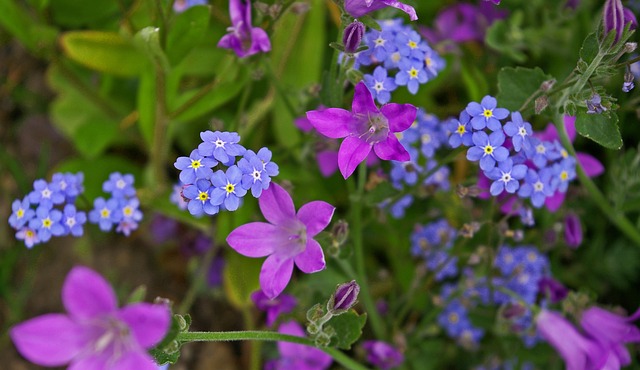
(380, 85)
(29, 236)
(364, 128)
(199, 196)
(45, 193)
(244, 39)
(519, 131)
(223, 146)
(120, 186)
(47, 222)
(615, 18)
(460, 130)
(578, 352)
(177, 197)
(73, 220)
(70, 185)
(194, 167)
(552, 289)
(486, 114)
(22, 213)
(131, 215)
(105, 213)
(594, 104)
(298, 356)
(506, 176)
(227, 188)
(572, 230)
(352, 37)
(345, 297)
(537, 186)
(95, 333)
(382, 355)
(286, 238)
(257, 171)
(275, 307)
(411, 74)
(611, 331)
(358, 8)
(488, 149)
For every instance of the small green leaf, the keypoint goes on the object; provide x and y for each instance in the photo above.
(106, 52)
(168, 350)
(370, 22)
(137, 295)
(600, 128)
(186, 32)
(241, 278)
(348, 328)
(148, 41)
(590, 48)
(516, 85)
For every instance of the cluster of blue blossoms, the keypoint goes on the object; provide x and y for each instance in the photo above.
(516, 161)
(421, 140)
(209, 192)
(516, 283)
(122, 209)
(397, 48)
(433, 243)
(49, 209)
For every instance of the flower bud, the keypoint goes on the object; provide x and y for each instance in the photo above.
(615, 17)
(572, 231)
(628, 84)
(344, 298)
(353, 35)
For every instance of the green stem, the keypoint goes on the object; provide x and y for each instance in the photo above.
(596, 195)
(159, 150)
(269, 336)
(365, 296)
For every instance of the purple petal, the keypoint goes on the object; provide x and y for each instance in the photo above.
(592, 167)
(570, 126)
(352, 152)
(400, 116)
(316, 216)
(391, 149)
(259, 41)
(275, 275)
(327, 162)
(48, 340)
(255, 239)
(149, 323)
(332, 122)
(362, 100)
(86, 294)
(276, 205)
(404, 7)
(135, 360)
(91, 362)
(239, 12)
(312, 259)
(554, 202)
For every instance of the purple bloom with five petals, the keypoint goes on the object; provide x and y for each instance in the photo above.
(506, 176)
(244, 39)
(120, 186)
(94, 334)
(194, 167)
(488, 149)
(199, 196)
(460, 130)
(257, 171)
(612, 332)
(223, 146)
(73, 220)
(537, 186)
(287, 238)
(47, 222)
(380, 85)
(45, 193)
(358, 8)
(412, 73)
(519, 131)
(486, 114)
(105, 213)
(382, 355)
(29, 236)
(273, 307)
(364, 128)
(22, 213)
(227, 188)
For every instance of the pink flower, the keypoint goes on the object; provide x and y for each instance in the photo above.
(365, 128)
(244, 39)
(611, 331)
(358, 8)
(94, 334)
(287, 238)
(578, 352)
(298, 356)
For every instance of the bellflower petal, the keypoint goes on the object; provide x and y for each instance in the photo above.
(352, 152)
(255, 239)
(400, 116)
(391, 149)
(135, 360)
(276, 205)
(275, 275)
(316, 215)
(327, 162)
(48, 340)
(312, 259)
(358, 8)
(86, 294)
(148, 322)
(363, 101)
(592, 167)
(332, 122)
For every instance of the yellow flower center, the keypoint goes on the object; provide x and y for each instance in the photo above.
(488, 149)
(105, 213)
(395, 57)
(195, 164)
(20, 213)
(203, 196)
(461, 130)
(412, 44)
(413, 73)
(128, 211)
(564, 176)
(230, 188)
(453, 318)
(488, 113)
(564, 153)
(46, 223)
(428, 61)
(30, 234)
(541, 149)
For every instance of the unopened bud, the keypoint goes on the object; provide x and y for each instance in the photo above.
(628, 85)
(547, 85)
(353, 35)
(344, 298)
(630, 47)
(541, 103)
(340, 231)
(471, 191)
(469, 230)
(315, 313)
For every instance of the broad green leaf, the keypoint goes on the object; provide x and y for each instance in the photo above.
(38, 38)
(297, 57)
(106, 52)
(241, 276)
(93, 137)
(600, 128)
(498, 37)
(147, 105)
(74, 13)
(186, 31)
(348, 327)
(590, 48)
(516, 85)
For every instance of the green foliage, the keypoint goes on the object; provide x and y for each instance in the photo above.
(186, 31)
(241, 278)
(348, 329)
(516, 85)
(601, 128)
(37, 37)
(168, 350)
(590, 48)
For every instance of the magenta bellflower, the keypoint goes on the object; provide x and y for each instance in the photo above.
(358, 8)
(364, 128)
(287, 238)
(244, 39)
(611, 331)
(298, 356)
(94, 334)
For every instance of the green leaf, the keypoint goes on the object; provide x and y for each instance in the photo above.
(74, 13)
(241, 278)
(40, 39)
(348, 327)
(168, 350)
(147, 105)
(104, 52)
(590, 48)
(380, 193)
(148, 41)
(474, 80)
(186, 32)
(600, 128)
(516, 85)
(498, 37)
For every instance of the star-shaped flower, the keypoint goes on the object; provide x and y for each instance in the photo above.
(244, 39)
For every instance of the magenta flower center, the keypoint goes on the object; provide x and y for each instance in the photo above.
(373, 128)
(114, 338)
